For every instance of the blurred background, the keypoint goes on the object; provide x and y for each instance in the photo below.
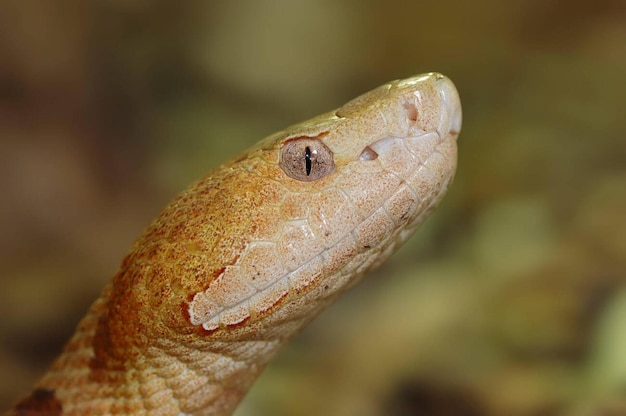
(511, 300)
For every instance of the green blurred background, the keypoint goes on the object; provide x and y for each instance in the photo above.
(511, 300)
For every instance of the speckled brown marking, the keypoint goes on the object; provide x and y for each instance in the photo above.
(41, 402)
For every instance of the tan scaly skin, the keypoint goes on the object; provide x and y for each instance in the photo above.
(241, 261)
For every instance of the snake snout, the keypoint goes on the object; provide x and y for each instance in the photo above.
(451, 116)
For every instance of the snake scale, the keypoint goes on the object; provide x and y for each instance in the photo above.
(244, 258)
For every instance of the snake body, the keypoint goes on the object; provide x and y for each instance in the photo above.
(244, 258)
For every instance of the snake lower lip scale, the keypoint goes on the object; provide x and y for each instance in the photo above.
(244, 258)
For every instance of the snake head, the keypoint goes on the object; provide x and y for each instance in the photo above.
(323, 201)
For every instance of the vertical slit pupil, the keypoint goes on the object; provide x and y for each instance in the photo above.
(307, 160)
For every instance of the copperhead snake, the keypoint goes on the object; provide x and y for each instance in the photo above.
(244, 258)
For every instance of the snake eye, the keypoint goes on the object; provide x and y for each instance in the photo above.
(306, 159)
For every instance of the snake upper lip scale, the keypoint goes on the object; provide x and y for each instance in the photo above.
(244, 258)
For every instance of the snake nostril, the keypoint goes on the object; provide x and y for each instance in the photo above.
(368, 154)
(411, 111)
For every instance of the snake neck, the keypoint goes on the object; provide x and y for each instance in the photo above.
(114, 365)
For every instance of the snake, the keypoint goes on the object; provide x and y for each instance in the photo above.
(244, 258)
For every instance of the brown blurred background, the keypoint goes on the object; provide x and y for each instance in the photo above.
(511, 300)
